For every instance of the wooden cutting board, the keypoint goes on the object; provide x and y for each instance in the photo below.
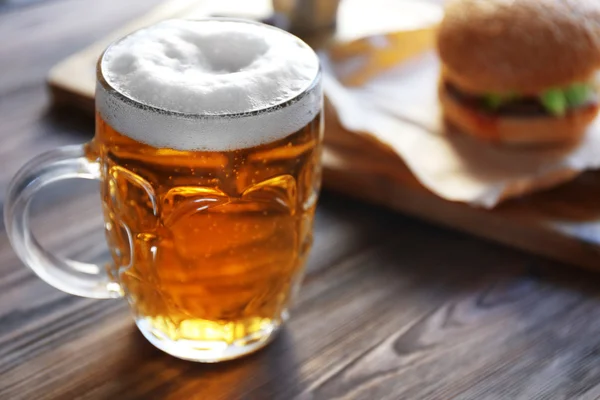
(563, 223)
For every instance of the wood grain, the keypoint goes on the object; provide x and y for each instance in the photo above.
(392, 308)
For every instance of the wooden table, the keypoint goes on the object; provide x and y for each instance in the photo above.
(391, 308)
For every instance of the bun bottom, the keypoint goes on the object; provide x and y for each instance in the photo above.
(518, 131)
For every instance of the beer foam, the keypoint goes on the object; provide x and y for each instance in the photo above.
(209, 85)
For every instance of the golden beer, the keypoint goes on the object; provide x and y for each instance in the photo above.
(209, 246)
(210, 171)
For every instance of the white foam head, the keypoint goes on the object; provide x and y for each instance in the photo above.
(208, 85)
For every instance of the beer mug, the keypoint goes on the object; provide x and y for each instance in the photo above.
(207, 150)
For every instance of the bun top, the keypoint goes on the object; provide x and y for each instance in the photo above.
(526, 46)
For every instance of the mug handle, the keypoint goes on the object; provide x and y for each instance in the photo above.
(74, 277)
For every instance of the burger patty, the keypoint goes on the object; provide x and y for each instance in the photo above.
(527, 107)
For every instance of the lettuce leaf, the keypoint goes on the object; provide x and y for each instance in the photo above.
(557, 101)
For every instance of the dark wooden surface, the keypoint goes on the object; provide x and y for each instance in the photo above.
(391, 308)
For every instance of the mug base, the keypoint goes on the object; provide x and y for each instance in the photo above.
(209, 351)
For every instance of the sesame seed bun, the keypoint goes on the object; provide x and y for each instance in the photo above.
(526, 46)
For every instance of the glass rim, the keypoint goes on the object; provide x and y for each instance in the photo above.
(112, 91)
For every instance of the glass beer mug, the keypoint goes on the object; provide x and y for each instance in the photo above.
(207, 150)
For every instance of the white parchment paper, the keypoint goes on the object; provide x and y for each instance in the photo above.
(400, 109)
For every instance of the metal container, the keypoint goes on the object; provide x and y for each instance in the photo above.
(312, 20)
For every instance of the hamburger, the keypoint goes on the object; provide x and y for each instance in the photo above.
(520, 72)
